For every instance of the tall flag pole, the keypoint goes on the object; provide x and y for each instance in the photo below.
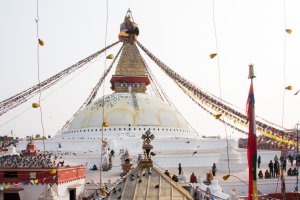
(252, 146)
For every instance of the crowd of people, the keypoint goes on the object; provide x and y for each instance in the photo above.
(273, 171)
(279, 163)
(193, 177)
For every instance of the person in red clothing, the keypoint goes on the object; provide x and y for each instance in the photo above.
(193, 178)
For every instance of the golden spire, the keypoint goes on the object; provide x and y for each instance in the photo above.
(130, 71)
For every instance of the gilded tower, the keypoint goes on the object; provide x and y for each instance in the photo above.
(130, 75)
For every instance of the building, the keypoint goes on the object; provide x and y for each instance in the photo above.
(33, 176)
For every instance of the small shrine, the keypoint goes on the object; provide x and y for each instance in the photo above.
(31, 149)
(126, 162)
(146, 162)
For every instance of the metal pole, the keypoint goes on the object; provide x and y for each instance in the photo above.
(297, 158)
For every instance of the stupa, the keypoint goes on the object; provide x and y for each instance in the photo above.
(128, 112)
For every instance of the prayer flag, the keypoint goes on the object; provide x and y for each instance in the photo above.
(252, 146)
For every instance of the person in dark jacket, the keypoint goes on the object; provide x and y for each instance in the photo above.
(267, 174)
(291, 159)
(271, 168)
(289, 172)
(276, 168)
(179, 169)
(112, 153)
(260, 174)
(214, 169)
(258, 161)
(294, 172)
(175, 178)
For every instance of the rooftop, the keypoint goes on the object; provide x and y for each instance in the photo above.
(149, 184)
(31, 161)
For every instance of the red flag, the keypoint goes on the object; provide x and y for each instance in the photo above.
(252, 146)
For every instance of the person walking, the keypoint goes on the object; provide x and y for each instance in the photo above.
(214, 169)
(271, 168)
(258, 161)
(275, 158)
(179, 168)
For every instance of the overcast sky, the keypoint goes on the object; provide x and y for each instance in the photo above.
(180, 33)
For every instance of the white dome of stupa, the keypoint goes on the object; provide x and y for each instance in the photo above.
(122, 109)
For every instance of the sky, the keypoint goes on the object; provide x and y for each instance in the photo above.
(180, 33)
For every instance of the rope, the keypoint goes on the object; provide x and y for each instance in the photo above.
(27, 94)
(105, 41)
(94, 91)
(154, 86)
(210, 102)
(220, 87)
(45, 97)
(284, 66)
(39, 80)
(284, 81)
(163, 95)
(38, 72)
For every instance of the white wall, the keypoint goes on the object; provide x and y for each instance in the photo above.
(33, 192)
